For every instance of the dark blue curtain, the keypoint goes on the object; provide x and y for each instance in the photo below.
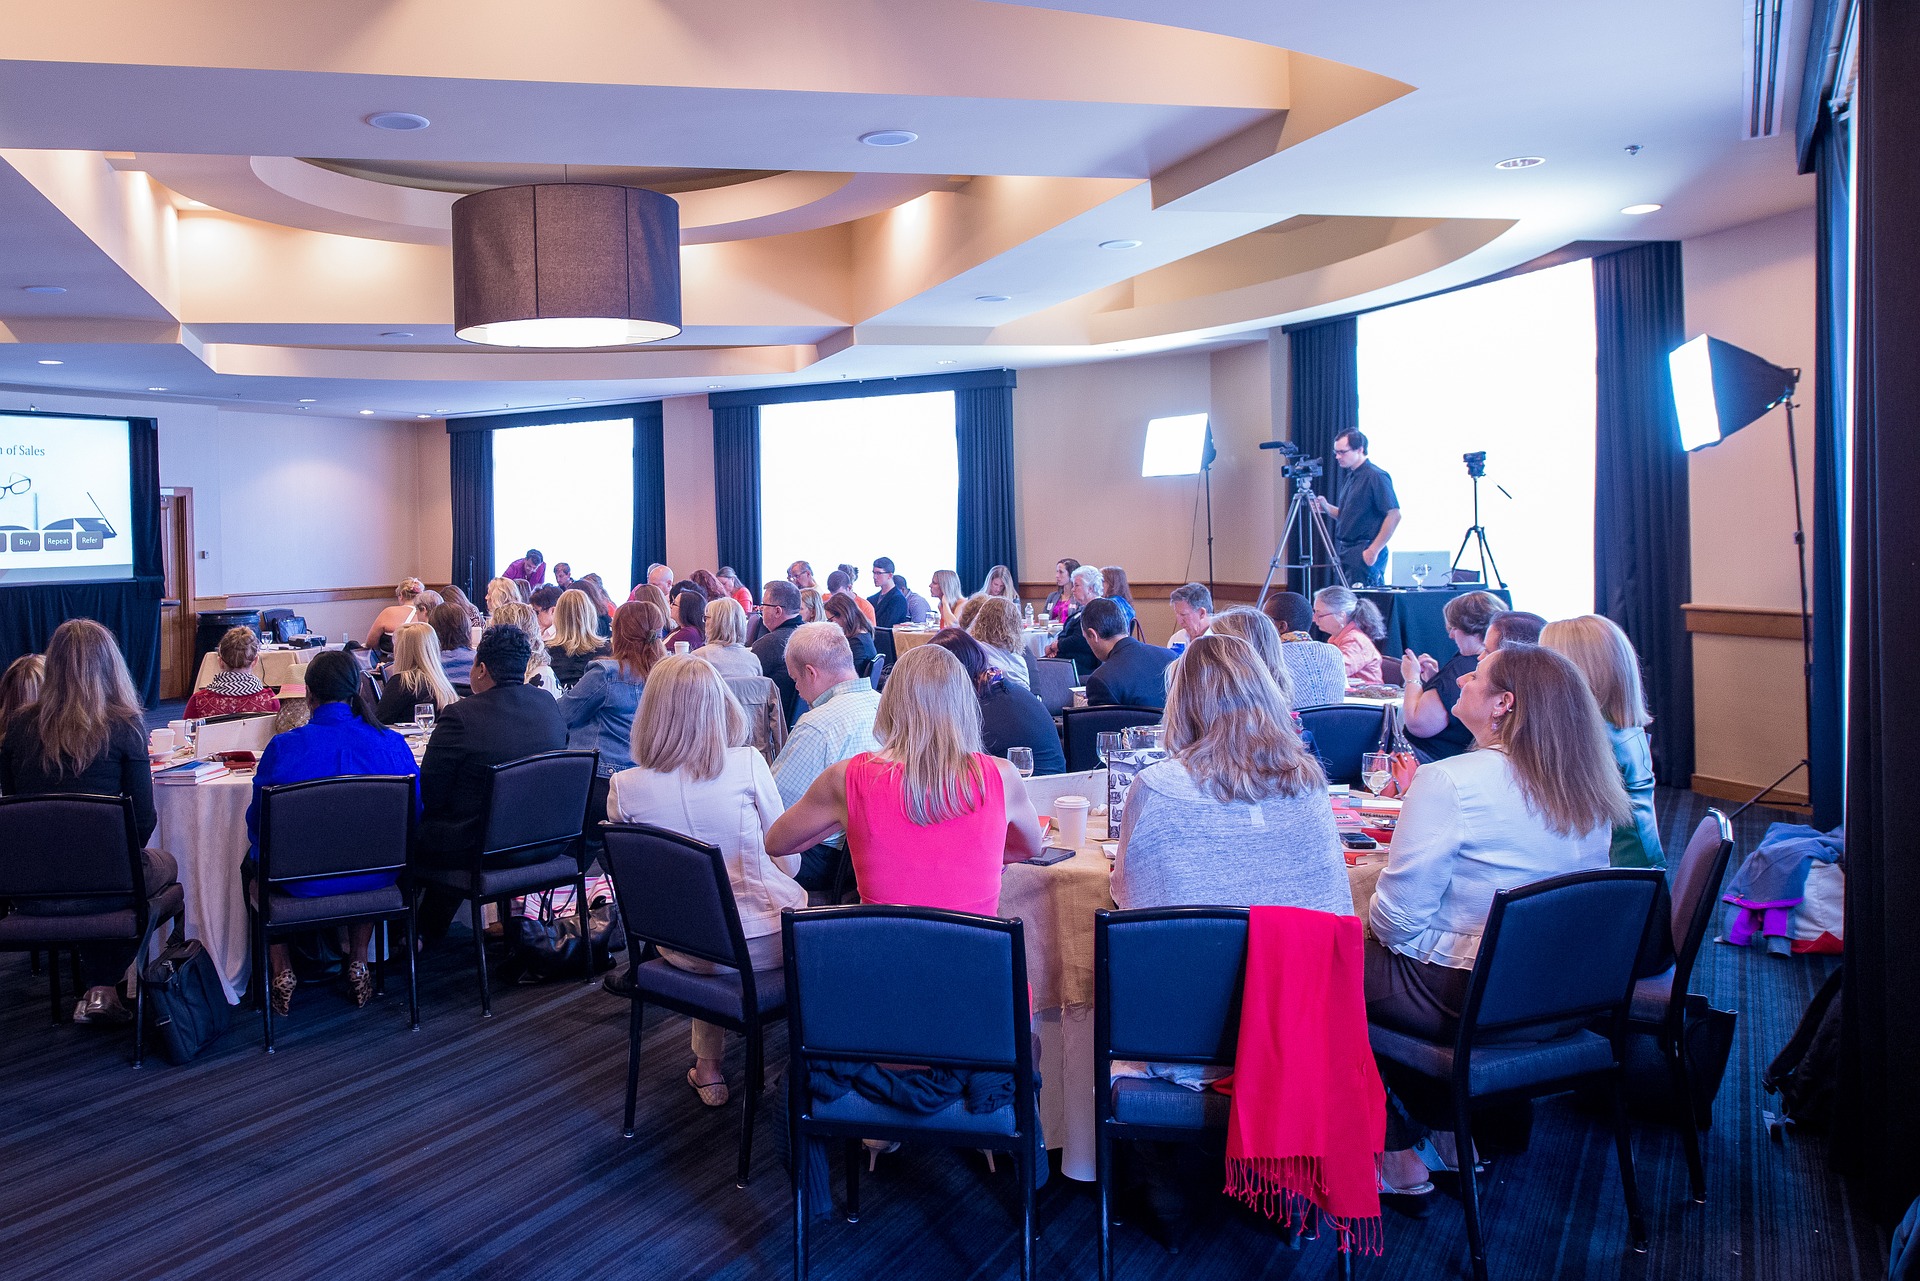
(130, 609)
(1879, 1128)
(1641, 549)
(1832, 254)
(736, 490)
(983, 426)
(470, 461)
(649, 489)
(1323, 401)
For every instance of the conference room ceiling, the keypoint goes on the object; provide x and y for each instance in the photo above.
(200, 179)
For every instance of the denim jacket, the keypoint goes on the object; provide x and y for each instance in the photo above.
(599, 712)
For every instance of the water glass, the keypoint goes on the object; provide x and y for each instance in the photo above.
(1022, 758)
(1106, 745)
(1376, 771)
(423, 715)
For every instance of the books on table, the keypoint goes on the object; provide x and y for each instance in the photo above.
(188, 772)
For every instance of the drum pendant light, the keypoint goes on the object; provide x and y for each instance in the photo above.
(566, 265)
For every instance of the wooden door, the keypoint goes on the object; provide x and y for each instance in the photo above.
(176, 603)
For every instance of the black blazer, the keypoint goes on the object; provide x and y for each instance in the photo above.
(890, 608)
(1072, 643)
(771, 650)
(1010, 716)
(120, 770)
(503, 724)
(1134, 675)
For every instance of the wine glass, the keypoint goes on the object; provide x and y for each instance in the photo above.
(1022, 758)
(423, 715)
(1420, 571)
(1106, 745)
(1376, 771)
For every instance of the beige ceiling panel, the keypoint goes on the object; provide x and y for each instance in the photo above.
(126, 215)
(504, 366)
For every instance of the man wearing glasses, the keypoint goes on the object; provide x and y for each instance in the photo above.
(1368, 513)
(800, 574)
(780, 615)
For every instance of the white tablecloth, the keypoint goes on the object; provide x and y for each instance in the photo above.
(204, 827)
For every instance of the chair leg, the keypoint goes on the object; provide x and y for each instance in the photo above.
(756, 1070)
(1623, 1143)
(480, 959)
(33, 961)
(413, 970)
(1103, 1172)
(636, 1018)
(380, 950)
(586, 931)
(1469, 1190)
(1689, 1122)
(261, 971)
(53, 985)
(854, 1154)
(1023, 1167)
(139, 1024)
(797, 1144)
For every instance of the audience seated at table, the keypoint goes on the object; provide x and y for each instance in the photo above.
(1540, 797)
(562, 575)
(1257, 630)
(415, 676)
(339, 738)
(842, 580)
(455, 634)
(689, 777)
(735, 588)
(969, 610)
(1515, 627)
(1238, 813)
(1192, 607)
(500, 591)
(1059, 604)
(1352, 626)
(394, 617)
(800, 574)
(530, 569)
(544, 600)
(452, 595)
(841, 706)
(1083, 587)
(1605, 657)
(576, 638)
(1114, 586)
(504, 720)
(1431, 688)
(946, 594)
(661, 578)
(85, 734)
(1319, 670)
(656, 597)
(726, 634)
(690, 612)
(779, 616)
(599, 708)
(1131, 673)
(995, 623)
(603, 604)
(20, 687)
(236, 689)
(890, 607)
(539, 669)
(930, 818)
(1000, 583)
(1010, 715)
(425, 603)
(843, 610)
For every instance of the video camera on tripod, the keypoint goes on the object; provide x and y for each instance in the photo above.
(1294, 465)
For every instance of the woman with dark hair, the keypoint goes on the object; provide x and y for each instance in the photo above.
(454, 630)
(451, 595)
(599, 709)
(1059, 605)
(340, 737)
(690, 610)
(85, 734)
(841, 581)
(844, 609)
(708, 585)
(603, 605)
(1431, 688)
(1010, 715)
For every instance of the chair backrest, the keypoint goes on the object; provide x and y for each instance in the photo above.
(1053, 682)
(759, 698)
(674, 892)
(1342, 735)
(371, 687)
(884, 646)
(1561, 949)
(1696, 882)
(69, 846)
(538, 801)
(335, 826)
(1082, 727)
(877, 671)
(1167, 983)
(907, 985)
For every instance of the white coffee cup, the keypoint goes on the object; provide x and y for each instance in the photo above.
(180, 734)
(1070, 819)
(681, 647)
(160, 742)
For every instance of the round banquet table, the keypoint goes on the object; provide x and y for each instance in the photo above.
(1056, 905)
(274, 667)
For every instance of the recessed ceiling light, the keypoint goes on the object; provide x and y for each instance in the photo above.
(44, 289)
(397, 333)
(576, 398)
(442, 411)
(1120, 244)
(156, 389)
(53, 362)
(398, 121)
(306, 400)
(992, 298)
(713, 386)
(1641, 209)
(366, 411)
(943, 362)
(1521, 162)
(423, 415)
(889, 137)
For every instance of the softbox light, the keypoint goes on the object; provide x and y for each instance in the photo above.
(1719, 388)
(1176, 446)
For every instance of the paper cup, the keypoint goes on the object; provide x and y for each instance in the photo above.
(1070, 818)
(160, 742)
(179, 729)
(681, 647)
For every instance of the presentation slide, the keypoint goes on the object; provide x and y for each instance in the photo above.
(66, 500)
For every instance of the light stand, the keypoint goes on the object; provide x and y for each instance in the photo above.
(1207, 455)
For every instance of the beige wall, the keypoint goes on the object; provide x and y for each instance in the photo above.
(687, 427)
(1753, 286)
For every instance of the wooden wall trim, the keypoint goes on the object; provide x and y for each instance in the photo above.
(1231, 593)
(1787, 796)
(296, 597)
(1743, 620)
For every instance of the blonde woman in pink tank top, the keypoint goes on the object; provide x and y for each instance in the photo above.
(930, 818)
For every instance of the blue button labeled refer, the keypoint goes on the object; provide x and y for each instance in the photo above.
(88, 540)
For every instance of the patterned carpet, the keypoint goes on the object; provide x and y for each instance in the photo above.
(493, 1149)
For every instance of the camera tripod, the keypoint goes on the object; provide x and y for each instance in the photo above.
(1476, 536)
(1317, 548)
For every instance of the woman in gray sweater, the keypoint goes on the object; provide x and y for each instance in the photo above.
(1238, 814)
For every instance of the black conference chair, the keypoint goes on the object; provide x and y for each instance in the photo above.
(1081, 727)
(877, 671)
(325, 828)
(1661, 1004)
(675, 892)
(534, 840)
(55, 847)
(879, 985)
(1053, 682)
(1342, 735)
(1525, 977)
(884, 646)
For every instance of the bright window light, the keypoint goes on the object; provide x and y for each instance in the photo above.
(1174, 446)
(854, 479)
(1508, 368)
(1692, 368)
(567, 489)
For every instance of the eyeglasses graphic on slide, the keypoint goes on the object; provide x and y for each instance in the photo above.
(17, 484)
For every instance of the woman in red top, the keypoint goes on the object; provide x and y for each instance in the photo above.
(1354, 627)
(236, 689)
(930, 818)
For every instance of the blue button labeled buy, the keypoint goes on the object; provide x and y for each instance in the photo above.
(24, 541)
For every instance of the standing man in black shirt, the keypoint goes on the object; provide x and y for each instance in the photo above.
(1368, 513)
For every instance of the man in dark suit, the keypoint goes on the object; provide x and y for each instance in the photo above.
(1083, 587)
(890, 604)
(1131, 673)
(780, 614)
(503, 720)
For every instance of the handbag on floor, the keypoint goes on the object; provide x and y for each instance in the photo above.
(186, 1006)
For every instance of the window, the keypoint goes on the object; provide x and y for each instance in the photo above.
(1508, 368)
(567, 489)
(854, 479)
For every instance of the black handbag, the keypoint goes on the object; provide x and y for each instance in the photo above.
(546, 947)
(186, 1006)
